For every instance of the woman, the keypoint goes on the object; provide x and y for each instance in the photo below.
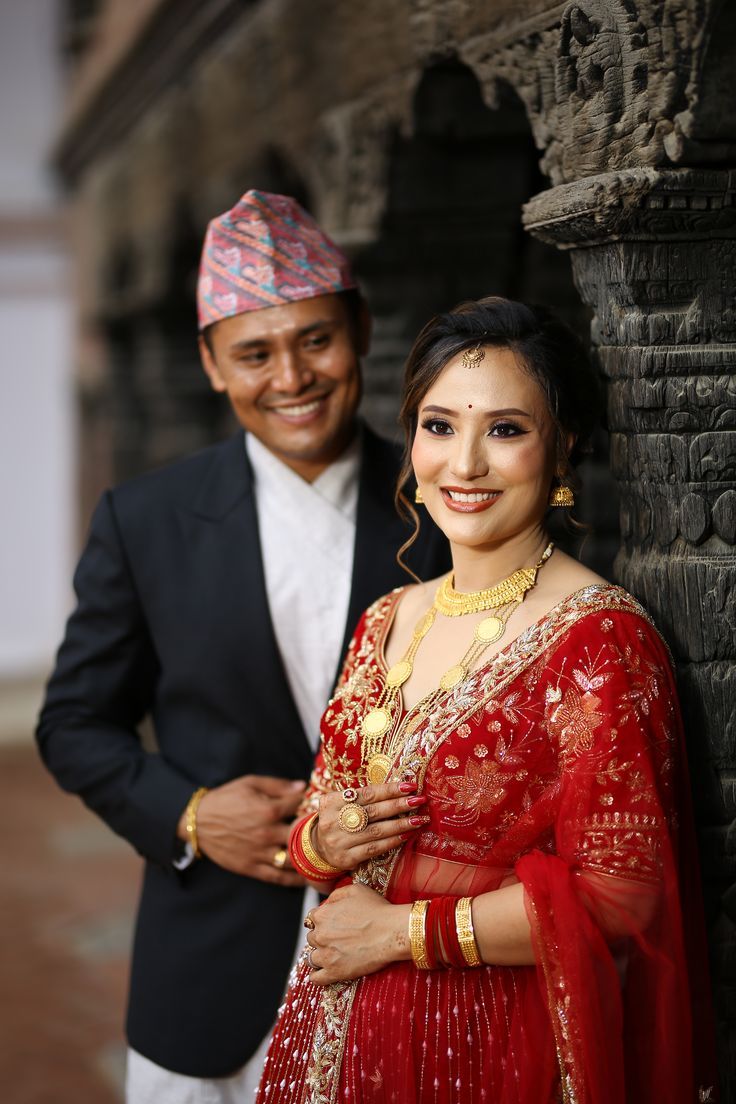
(493, 808)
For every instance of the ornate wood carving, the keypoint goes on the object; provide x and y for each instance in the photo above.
(654, 253)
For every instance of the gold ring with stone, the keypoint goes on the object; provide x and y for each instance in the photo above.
(352, 817)
(279, 859)
(308, 922)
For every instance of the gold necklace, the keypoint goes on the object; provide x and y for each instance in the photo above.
(381, 732)
(453, 603)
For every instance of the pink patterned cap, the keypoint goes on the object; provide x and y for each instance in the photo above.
(264, 252)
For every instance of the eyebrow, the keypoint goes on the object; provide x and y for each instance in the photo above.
(488, 413)
(320, 324)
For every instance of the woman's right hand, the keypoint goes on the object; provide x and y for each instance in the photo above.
(394, 811)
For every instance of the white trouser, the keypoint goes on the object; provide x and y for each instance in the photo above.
(147, 1083)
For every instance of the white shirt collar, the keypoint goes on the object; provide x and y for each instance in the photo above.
(337, 484)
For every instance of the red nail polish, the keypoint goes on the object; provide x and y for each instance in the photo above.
(415, 821)
(418, 799)
(408, 787)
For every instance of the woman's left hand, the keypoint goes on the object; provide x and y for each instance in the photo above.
(356, 932)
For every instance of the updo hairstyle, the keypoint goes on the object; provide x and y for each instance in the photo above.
(547, 348)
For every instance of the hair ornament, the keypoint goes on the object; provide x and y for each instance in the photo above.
(473, 357)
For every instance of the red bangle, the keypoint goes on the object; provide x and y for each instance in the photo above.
(433, 949)
(303, 856)
(453, 954)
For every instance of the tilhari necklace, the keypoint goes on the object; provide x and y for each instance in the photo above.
(382, 735)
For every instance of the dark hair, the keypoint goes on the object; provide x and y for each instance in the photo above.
(352, 300)
(549, 350)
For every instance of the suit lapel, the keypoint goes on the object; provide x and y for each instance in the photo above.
(226, 503)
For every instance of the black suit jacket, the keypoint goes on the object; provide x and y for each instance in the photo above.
(172, 620)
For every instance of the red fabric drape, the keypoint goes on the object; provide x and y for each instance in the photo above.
(558, 764)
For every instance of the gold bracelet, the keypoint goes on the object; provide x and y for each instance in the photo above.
(310, 854)
(417, 934)
(191, 819)
(465, 932)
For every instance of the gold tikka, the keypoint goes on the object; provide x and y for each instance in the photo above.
(382, 737)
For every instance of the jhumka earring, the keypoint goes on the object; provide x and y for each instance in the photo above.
(418, 497)
(562, 495)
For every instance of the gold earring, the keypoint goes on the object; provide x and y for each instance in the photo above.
(562, 495)
(418, 497)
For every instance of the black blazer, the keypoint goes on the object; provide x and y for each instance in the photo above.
(172, 620)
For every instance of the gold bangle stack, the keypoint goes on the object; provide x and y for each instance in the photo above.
(310, 854)
(465, 932)
(190, 816)
(417, 934)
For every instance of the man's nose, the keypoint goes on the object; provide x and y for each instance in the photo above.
(291, 374)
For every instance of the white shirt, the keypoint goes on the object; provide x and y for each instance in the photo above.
(307, 533)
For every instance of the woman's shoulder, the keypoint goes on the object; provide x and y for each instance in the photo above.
(603, 615)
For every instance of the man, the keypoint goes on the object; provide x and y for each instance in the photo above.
(218, 595)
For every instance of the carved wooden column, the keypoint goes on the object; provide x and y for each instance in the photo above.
(654, 253)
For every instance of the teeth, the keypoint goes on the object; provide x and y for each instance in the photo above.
(477, 496)
(297, 411)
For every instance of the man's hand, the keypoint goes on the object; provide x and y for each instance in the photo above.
(242, 825)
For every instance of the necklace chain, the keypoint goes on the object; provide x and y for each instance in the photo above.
(382, 735)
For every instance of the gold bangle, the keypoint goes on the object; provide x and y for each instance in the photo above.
(465, 932)
(417, 934)
(191, 819)
(310, 854)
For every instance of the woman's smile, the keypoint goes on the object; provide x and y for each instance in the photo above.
(469, 501)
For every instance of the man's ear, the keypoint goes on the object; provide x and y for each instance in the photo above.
(217, 383)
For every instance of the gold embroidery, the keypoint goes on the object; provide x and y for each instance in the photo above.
(477, 791)
(574, 721)
(622, 844)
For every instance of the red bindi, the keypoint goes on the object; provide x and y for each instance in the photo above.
(470, 406)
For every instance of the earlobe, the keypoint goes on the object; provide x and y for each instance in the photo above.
(217, 383)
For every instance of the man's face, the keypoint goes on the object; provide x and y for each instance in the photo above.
(292, 375)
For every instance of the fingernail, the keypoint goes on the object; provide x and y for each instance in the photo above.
(419, 799)
(415, 821)
(408, 787)
(298, 784)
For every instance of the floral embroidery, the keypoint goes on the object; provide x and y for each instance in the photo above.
(574, 721)
(477, 791)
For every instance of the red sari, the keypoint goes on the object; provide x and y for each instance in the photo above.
(557, 764)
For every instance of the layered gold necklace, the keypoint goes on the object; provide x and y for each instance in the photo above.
(383, 734)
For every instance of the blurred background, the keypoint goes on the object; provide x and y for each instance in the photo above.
(125, 125)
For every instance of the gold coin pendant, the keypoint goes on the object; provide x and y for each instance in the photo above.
(399, 673)
(424, 624)
(377, 769)
(452, 677)
(489, 629)
(375, 723)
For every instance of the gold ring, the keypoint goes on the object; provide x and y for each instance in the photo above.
(352, 818)
(279, 859)
(309, 922)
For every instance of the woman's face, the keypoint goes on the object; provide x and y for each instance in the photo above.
(485, 450)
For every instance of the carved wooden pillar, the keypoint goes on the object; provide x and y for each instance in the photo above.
(654, 253)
